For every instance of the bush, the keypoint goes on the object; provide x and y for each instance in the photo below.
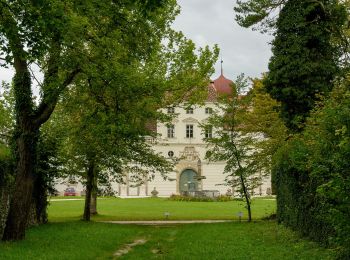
(312, 175)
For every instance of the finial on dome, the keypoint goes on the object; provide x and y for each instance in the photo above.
(222, 71)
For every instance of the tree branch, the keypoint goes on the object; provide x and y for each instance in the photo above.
(46, 107)
(33, 76)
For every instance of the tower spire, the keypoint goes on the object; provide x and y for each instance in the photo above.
(222, 71)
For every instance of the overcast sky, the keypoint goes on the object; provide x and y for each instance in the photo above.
(209, 22)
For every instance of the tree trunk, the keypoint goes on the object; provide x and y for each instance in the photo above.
(28, 121)
(89, 184)
(93, 206)
(40, 200)
(4, 206)
(25, 135)
(247, 198)
(21, 199)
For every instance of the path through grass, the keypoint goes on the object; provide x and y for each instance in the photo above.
(79, 240)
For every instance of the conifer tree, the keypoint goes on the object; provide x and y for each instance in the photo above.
(304, 62)
(306, 50)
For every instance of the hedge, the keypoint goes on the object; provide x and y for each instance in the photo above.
(312, 176)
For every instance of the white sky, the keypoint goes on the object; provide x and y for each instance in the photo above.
(209, 22)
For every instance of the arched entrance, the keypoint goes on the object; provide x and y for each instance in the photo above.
(188, 181)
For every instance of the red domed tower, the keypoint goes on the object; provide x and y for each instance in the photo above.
(221, 85)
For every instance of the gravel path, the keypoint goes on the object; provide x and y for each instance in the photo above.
(165, 222)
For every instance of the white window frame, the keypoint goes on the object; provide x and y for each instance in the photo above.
(189, 131)
(171, 131)
(208, 132)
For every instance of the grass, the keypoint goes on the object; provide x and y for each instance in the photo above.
(66, 237)
(79, 240)
(154, 208)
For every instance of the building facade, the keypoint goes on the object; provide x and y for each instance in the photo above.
(183, 139)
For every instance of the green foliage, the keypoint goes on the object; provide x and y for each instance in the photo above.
(6, 112)
(105, 118)
(119, 54)
(304, 61)
(262, 117)
(310, 52)
(258, 13)
(312, 174)
(63, 39)
(309, 47)
(234, 145)
(46, 173)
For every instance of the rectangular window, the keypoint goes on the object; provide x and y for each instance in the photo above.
(171, 131)
(189, 131)
(189, 110)
(171, 110)
(209, 132)
(208, 110)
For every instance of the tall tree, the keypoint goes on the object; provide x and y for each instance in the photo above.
(305, 57)
(109, 135)
(121, 97)
(232, 145)
(304, 62)
(101, 142)
(60, 37)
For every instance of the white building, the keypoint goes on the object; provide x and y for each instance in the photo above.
(183, 139)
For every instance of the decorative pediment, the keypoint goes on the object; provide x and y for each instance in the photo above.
(174, 121)
(190, 120)
(189, 154)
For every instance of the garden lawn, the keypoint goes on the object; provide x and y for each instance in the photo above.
(80, 240)
(154, 208)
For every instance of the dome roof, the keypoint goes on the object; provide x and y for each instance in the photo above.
(223, 85)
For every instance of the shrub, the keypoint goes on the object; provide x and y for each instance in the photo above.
(312, 175)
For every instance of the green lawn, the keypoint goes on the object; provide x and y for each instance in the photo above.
(154, 208)
(66, 237)
(79, 240)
